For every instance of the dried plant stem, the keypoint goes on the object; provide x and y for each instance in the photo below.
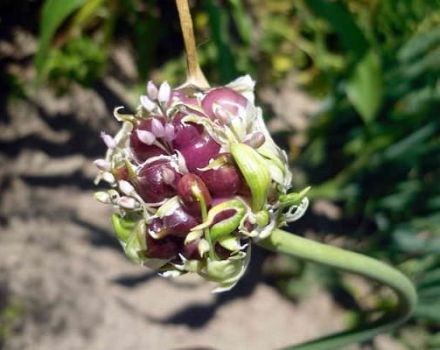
(195, 75)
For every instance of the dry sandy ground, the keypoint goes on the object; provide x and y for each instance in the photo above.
(81, 293)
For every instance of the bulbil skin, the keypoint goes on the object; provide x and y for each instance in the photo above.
(152, 184)
(193, 193)
(171, 170)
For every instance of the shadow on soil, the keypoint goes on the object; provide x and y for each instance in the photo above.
(198, 315)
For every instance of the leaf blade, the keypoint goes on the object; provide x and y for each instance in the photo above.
(53, 14)
(365, 87)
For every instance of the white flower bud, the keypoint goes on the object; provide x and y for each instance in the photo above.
(108, 140)
(126, 188)
(127, 202)
(149, 105)
(108, 177)
(146, 137)
(164, 93)
(102, 197)
(151, 90)
(169, 132)
(157, 128)
(102, 164)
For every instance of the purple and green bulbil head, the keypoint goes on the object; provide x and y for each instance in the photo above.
(194, 177)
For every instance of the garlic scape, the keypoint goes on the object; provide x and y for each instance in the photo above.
(195, 177)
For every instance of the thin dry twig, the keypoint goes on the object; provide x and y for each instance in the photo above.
(195, 75)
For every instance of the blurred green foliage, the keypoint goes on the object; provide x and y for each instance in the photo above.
(374, 146)
(10, 316)
(79, 60)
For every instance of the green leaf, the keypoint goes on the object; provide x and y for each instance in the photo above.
(87, 13)
(411, 242)
(343, 23)
(242, 20)
(219, 24)
(419, 44)
(430, 311)
(429, 293)
(365, 87)
(411, 143)
(227, 226)
(131, 236)
(424, 65)
(53, 14)
(123, 226)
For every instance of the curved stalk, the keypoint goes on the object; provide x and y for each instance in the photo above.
(285, 242)
(195, 75)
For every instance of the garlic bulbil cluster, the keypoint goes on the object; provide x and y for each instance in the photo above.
(195, 177)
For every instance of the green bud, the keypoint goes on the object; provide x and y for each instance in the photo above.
(253, 167)
(230, 243)
(262, 218)
(123, 226)
(295, 198)
(134, 248)
(131, 235)
(226, 272)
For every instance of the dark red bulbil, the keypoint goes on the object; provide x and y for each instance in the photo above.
(164, 248)
(195, 145)
(185, 133)
(179, 223)
(152, 184)
(221, 252)
(190, 250)
(224, 181)
(186, 188)
(228, 99)
(140, 150)
(200, 152)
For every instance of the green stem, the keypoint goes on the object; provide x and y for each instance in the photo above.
(285, 242)
(204, 212)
